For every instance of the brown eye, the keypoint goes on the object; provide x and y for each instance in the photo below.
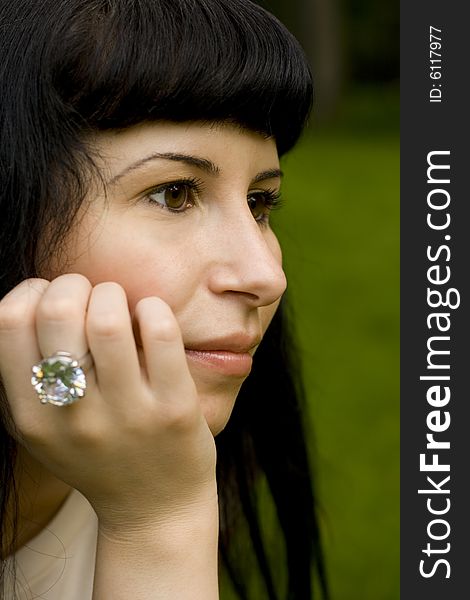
(257, 206)
(262, 203)
(174, 197)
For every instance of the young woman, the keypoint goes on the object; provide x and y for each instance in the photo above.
(148, 390)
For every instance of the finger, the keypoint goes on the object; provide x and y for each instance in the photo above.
(19, 349)
(165, 358)
(112, 343)
(18, 342)
(60, 318)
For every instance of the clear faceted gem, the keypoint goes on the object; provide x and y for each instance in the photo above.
(59, 380)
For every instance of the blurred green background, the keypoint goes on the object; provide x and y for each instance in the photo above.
(339, 228)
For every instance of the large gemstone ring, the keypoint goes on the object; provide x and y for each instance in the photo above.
(60, 379)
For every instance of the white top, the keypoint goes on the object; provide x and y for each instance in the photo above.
(59, 563)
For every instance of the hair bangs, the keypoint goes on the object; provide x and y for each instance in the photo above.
(127, 61)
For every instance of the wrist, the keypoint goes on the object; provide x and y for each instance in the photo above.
(175, 558)
(170, 526)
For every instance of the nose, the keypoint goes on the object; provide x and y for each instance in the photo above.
(247, 261)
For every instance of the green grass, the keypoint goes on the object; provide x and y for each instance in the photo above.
(339, 229)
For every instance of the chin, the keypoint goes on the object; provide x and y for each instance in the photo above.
(217, 410)
(217, 396)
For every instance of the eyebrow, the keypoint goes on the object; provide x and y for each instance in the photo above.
(194, 161)
(269, 174)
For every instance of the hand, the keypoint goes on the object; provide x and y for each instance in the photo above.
(137, 445)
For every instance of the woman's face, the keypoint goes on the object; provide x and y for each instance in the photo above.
(184, 217)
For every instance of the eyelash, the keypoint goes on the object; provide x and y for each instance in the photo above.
(191, 184)
(271, 198)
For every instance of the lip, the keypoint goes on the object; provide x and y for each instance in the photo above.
(237, 364)
(228, 356)
(239, 344)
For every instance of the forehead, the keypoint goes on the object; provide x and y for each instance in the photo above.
(223, 145)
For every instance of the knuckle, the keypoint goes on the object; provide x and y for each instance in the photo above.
(17, 307)
(106, 325)
(87, 434)
(179, 417)
(13, 315)
(26, 287)
(74, 278)
(62, 308)
(165, 330)
(157, 319)
(29, 431)
(111, 287)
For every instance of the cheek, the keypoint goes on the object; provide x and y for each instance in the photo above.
(267, 314)
(139, 263)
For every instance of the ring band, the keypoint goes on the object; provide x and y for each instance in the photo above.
(60, 379)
